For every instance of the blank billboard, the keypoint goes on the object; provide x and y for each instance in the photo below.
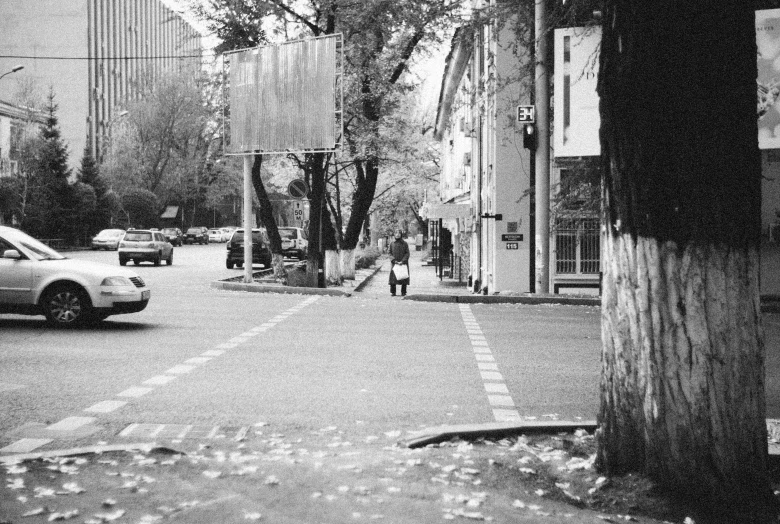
(285, 97)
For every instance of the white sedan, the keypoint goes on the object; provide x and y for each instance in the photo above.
(37, 280)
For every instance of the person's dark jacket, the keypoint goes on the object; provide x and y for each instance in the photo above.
(399, 253)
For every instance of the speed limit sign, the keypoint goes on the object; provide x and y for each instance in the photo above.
(298, 211)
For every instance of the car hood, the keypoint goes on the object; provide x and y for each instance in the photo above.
(97, 270)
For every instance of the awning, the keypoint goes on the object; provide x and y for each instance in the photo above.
(436, 211)
(170, 212)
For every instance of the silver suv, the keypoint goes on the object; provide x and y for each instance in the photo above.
(141, 245)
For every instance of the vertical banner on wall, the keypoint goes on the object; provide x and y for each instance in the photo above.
(577, 120)
(768, 43)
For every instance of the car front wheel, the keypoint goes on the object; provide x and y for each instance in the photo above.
(66, 305)
(169, 260)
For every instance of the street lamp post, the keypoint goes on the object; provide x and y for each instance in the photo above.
(14, 70)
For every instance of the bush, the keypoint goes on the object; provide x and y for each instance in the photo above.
(365, 258)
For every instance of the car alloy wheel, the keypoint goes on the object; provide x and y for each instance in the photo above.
(66, 305)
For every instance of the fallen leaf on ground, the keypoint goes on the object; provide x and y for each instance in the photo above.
(73, 487)
(110, 517)
(34, 512)
(67, 515)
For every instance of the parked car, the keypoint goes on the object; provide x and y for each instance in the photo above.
(227, 232)
(261, 254)
(108, 239)
(173, 235)
(141, 245)
(197, 235)
(37, 280)
(294, 242)
(216, 235)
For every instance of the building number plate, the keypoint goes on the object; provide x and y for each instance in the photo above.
(512, 245)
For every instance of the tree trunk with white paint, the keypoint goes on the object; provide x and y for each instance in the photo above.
(332, 268)
(682, 389)
(348, 264)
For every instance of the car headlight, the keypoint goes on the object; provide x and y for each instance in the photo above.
(116, 281)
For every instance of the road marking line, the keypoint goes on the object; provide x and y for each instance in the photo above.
(70, 423)
(159, 380)
(106, 406)
(25, 445)
(488, 369)
(500, 387)
(500, 400)
(197, 360)
(180, 368)
(134, 392)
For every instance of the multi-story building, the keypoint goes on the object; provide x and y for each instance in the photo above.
(486, 167)
(94, 54)
(486, 172)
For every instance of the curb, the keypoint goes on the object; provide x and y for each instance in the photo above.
(498, 299)
(231, 285)
(285, 290)
(494, 429)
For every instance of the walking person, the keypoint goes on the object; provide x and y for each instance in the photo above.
(399, 258)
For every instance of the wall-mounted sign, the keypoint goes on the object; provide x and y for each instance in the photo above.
(511, 238)
(512, 245)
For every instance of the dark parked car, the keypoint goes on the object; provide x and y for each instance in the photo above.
(197, 235)
(174, 235)
(261, 254)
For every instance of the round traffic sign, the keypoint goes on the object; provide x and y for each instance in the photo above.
(298, 188)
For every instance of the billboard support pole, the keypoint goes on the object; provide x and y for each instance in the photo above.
(248, 219)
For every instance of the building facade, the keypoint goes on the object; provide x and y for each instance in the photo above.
(486, 172)
(94, 54)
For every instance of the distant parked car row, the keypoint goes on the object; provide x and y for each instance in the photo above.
(111, 238)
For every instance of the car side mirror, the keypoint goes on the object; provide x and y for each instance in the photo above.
(12, 254)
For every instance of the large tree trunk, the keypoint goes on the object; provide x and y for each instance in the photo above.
(321, 234)
(682, 391)
(266, 215)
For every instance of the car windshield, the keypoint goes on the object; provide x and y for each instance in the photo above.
(34, 248)
(110, 234)
(238, 236)
(134, 236)
(288, 233)
(194, 230)
(169, 231)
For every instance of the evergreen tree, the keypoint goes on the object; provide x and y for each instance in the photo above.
(52, 209)
(89, 174)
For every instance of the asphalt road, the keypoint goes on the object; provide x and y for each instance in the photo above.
(367, 362)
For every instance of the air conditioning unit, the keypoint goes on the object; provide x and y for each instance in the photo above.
(466, 159)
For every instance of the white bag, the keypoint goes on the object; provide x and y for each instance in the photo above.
(400, 271)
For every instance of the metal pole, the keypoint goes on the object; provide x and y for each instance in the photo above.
(248, 219)
(542, 162)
